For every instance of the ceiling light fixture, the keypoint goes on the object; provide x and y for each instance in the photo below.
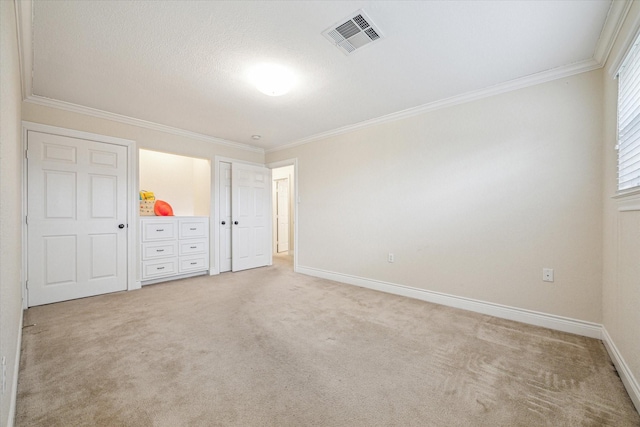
(272, 79)
(256, 137)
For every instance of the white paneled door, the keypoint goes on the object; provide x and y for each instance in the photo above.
(251, 216)
(224, 208)
(282, 215)
(76, 218)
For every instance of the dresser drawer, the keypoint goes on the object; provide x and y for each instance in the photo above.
(159, 268)
(158, 230)
(193, 263)
(193, 228)
(173, 247)
(159, 250)
(190, 247)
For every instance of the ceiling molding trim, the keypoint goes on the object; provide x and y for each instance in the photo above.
(612, 25)
(532, 80)
(24, 24)
(75, 108)
(625, 45)
(24, 17)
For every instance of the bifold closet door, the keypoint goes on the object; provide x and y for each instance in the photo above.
(251, 216)
(224, 209)
(244, 195)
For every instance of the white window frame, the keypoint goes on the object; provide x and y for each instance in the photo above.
(628, 126)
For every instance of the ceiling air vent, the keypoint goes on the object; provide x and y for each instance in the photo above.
(353, 32)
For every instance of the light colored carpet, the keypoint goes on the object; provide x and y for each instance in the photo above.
(268, 347)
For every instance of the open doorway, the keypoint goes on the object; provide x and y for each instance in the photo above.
(283, 191)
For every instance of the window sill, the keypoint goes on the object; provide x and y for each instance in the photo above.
(628, 200)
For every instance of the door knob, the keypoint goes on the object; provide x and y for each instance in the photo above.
(121, 226)
(224, 222)
(235, 222)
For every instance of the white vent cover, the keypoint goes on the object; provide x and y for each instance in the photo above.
(353, 32)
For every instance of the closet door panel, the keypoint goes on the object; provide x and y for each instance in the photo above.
(250, 212)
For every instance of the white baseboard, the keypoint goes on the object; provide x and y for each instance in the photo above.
(171, 278)
(559, 323)
(16, 369)
(629, 381)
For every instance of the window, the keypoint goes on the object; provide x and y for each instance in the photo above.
(629, 120)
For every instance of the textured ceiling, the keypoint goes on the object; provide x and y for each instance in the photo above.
(184, 63)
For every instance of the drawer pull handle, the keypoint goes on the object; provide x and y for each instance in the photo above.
(159, 229)
(160, 268)
(193, 229)
(193, 263)
(193, 247)
(159, 250)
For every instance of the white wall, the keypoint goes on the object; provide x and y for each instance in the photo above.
(183, 182)
(202, 190)
(10, 205)
(473, 200)
(621, 278)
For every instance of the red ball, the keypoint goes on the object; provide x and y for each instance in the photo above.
(162, 208)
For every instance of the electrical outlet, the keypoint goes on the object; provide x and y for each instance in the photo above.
(547, 274)
(391, 258)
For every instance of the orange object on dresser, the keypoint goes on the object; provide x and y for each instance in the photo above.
(162, 208)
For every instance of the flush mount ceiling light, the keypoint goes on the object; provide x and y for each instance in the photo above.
(272, 79)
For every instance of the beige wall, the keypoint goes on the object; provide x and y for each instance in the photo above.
(10, 202)
(144, 137)
(621, 278)
(202, 187)
(473, 200)
(183, 182)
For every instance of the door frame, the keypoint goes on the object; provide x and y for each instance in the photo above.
(214, 244)
(295, 201)
(133, 260)
(275, 220)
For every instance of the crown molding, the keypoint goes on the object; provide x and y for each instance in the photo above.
(532, 80)
(24, 19)
(615, 18)
(24, 24)
(625, 46)
(75, 108)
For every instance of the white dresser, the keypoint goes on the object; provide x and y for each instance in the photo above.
(173, 247)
